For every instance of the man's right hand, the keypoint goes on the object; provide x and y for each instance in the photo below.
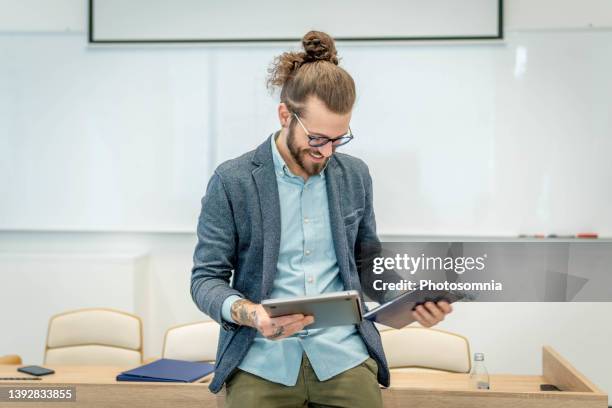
(251, 314)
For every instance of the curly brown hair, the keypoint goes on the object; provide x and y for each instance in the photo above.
(313, 72)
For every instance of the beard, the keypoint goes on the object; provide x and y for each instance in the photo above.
(302, 155)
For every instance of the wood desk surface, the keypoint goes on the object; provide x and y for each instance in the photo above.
(461, 382)
(96, 387)
(400, 380)
(442, 390)
(83, 375)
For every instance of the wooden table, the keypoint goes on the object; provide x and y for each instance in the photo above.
(437, 390)
(96, 387)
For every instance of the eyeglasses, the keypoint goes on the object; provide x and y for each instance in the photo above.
(318, 141)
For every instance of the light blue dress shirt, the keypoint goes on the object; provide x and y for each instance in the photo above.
(306, 266)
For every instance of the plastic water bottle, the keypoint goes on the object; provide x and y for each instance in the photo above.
(479, 377)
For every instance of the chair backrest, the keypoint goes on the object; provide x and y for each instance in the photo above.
(192, 342)
(10, 359)
(418, 347)
(94, 337)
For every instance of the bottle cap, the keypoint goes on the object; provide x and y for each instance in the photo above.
(478, 357)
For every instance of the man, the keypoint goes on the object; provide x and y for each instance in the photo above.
(289, 219)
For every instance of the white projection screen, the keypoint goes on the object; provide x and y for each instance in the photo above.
(136, 21)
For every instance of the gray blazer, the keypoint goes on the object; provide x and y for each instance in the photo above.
(239, 230)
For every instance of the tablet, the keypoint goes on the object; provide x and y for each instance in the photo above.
(397, 313)
(329, 309)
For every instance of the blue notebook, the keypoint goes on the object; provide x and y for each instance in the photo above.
(167, 370)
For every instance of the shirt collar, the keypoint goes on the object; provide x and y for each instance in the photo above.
(280, 167)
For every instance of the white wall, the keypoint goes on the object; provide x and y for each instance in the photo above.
(511, 335)
(47, 282)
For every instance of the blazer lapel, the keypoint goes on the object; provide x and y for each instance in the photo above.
(333, 181)
(267, 190)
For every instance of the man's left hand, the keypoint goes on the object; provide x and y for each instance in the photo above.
(431, 313)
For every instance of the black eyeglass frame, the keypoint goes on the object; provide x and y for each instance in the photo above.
(342, 140)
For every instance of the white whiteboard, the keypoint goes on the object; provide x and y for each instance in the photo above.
(461, 139)
(465, 140)
(101, 139)
(277, 20)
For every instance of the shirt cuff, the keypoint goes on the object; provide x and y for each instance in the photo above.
(226, 308)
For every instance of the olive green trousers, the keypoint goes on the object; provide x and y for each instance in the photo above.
(354, 388)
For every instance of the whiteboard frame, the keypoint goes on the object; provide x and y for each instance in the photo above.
(93, 40)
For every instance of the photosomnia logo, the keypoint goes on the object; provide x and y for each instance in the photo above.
(414, 264)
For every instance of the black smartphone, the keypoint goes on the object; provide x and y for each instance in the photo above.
(35, 370)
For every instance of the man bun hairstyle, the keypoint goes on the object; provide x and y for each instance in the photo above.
(313, 72)
(319, 46)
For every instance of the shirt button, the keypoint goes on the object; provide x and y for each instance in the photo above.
(308, 252)
(310, 279)
(306, 220)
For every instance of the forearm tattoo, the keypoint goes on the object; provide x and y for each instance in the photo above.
(278, 332)
(241, 314)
